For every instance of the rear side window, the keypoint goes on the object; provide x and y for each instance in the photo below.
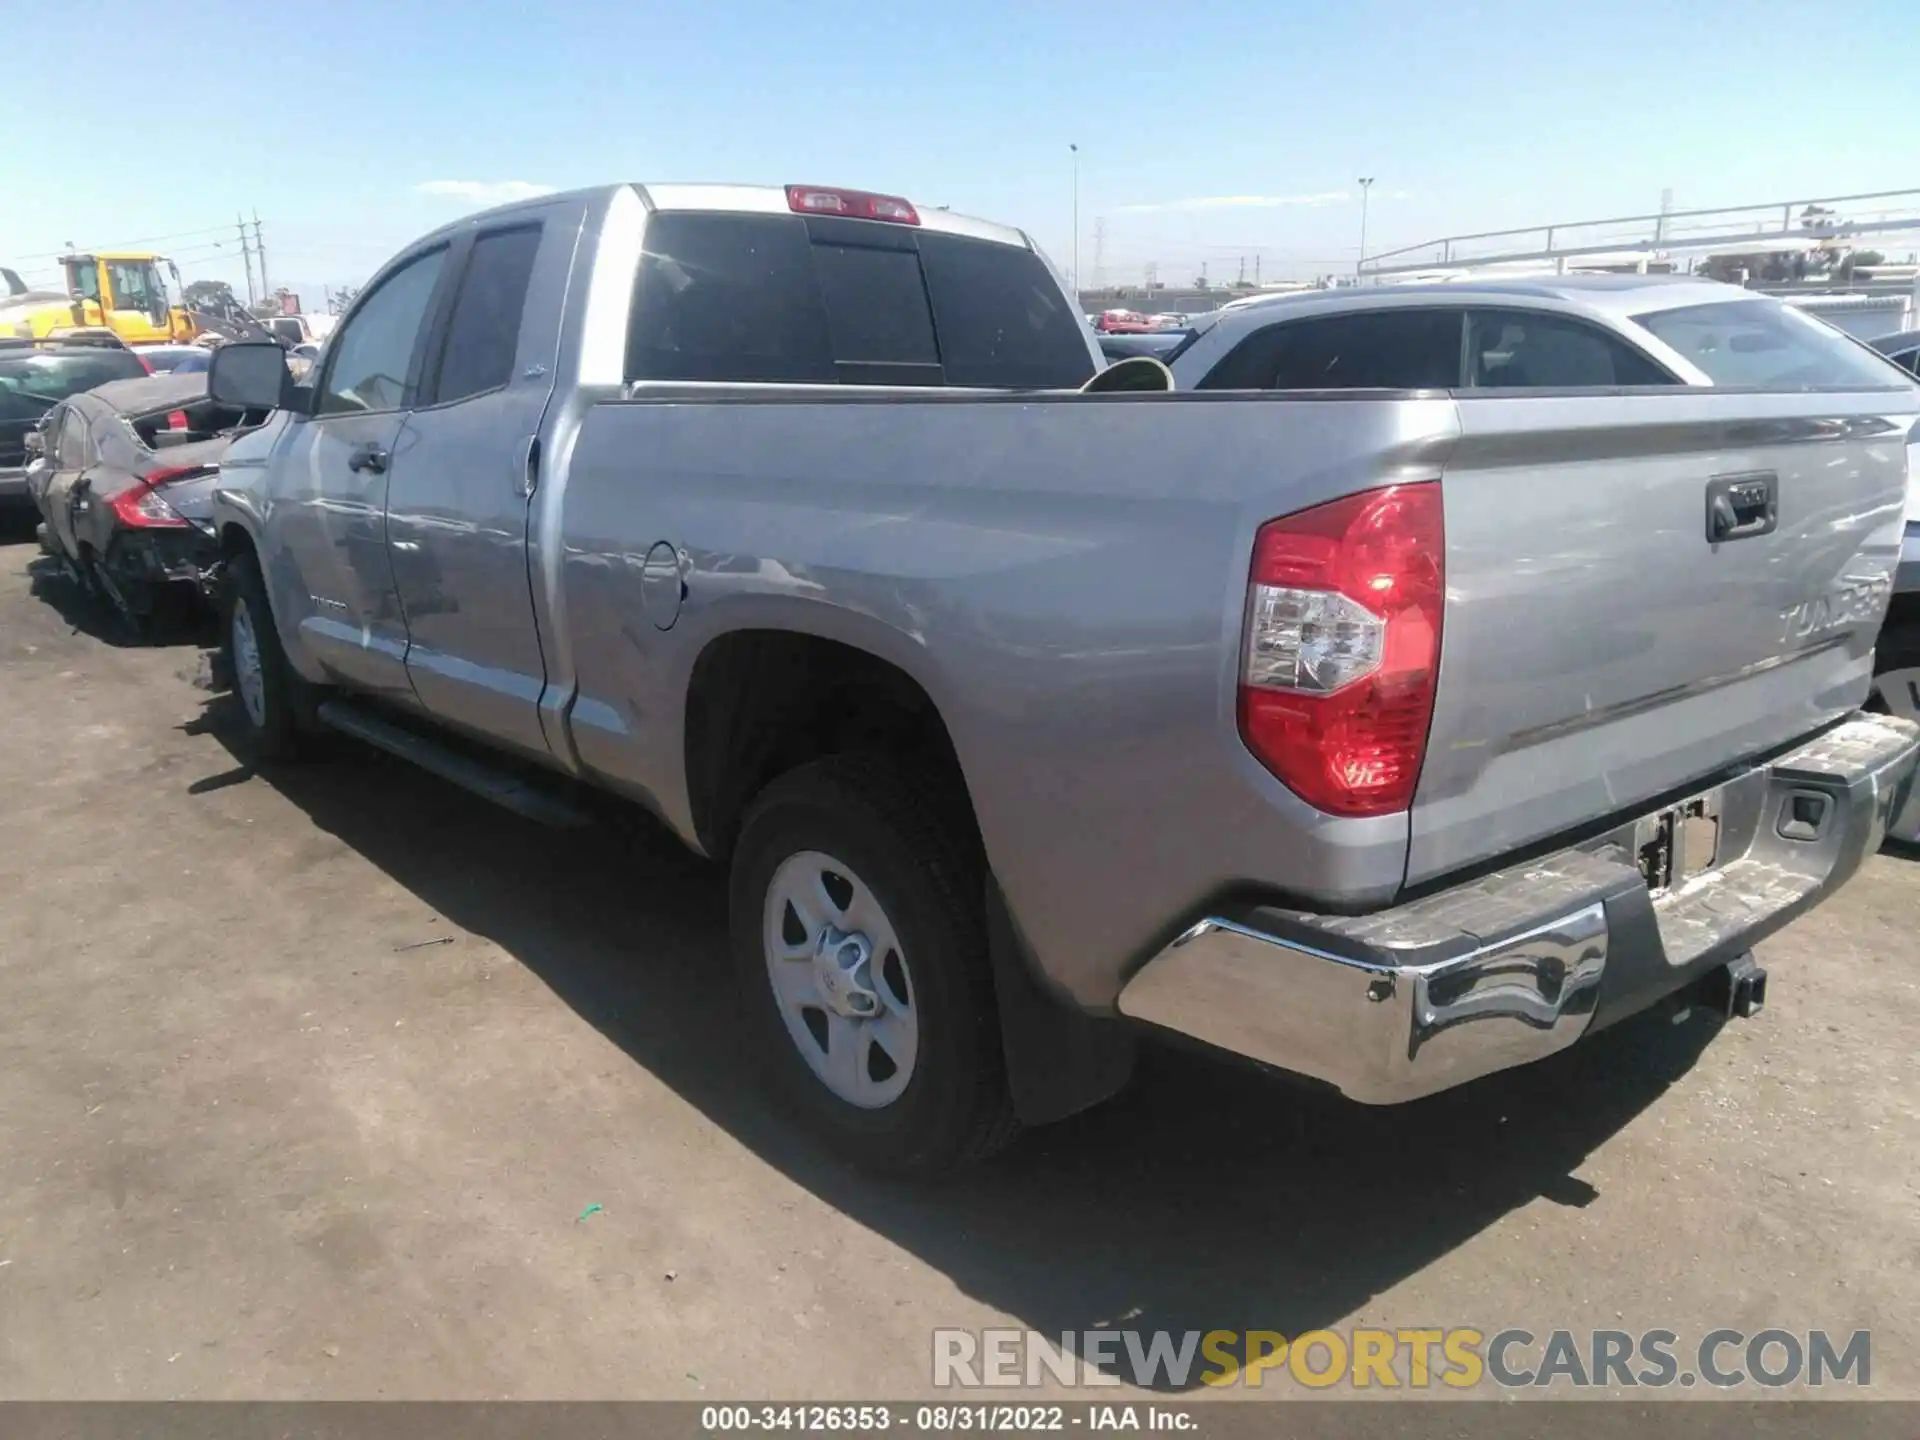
(484, 333)
(76, 442)
(1004, 321)
(1766, 344)
(754, 298)
(1385, 349)
(1527, 349)
(728, 297)
(32, 382)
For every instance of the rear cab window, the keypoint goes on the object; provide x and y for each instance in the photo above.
(790, 299)
(1767, 345)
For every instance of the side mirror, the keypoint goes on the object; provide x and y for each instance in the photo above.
(250, 375)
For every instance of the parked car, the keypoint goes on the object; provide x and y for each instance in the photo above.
(1903, 349)
(1159, 344)
(125, 489)
(1525, 334)
(1123, 322)
(174, 359)
(1023, 719)
(35, 377)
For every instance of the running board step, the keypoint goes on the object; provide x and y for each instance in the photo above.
(502, 787)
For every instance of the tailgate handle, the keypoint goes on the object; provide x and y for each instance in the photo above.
(1739, 506)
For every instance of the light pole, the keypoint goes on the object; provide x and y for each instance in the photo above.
(1366, 189)
(1076, 222)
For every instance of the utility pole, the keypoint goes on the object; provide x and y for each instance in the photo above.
(1366, 190)
(1076, 221)
(1240, 280)
(246, 255)
(1099, 251)
(1256, 269)
(260, 249)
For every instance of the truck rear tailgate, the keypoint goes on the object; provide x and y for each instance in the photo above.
(1598, 649)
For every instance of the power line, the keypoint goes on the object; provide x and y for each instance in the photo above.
(129, 244)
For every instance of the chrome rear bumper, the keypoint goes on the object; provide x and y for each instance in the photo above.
(1519, 964)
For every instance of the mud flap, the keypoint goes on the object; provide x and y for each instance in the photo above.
(1059, 1060)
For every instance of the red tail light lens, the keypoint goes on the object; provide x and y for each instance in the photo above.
(143, 507)
(1343, 647)
(854, 204)
(177, 420)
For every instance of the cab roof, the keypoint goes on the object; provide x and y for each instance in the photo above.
(742, 200)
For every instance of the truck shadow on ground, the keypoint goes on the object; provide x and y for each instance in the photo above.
(1209, 1195)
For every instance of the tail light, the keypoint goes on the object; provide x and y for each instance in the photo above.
(1343, 647)
(177, 420)
(854, 204)
(145, 364)
(143, 507)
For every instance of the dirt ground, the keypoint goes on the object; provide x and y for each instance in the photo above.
(308, 1078)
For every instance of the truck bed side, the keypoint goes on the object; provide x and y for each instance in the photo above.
(1064, 577)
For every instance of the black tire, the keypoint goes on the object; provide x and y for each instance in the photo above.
(912, 844)
(273, 728)
(1898, 649)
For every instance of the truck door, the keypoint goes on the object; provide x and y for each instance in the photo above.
(328, 570)
(458, 508)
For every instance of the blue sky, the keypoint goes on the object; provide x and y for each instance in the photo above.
(1208, 130)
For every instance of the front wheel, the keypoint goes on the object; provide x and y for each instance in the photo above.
(265, 685)
(860, 945)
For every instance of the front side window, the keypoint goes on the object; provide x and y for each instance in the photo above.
(1389, 349)
(1765, 344)
(133, 287)
(1529, 349)
(484, 334)
(373, 355)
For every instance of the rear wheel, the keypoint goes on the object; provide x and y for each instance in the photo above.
(860, 945)
(269, 693)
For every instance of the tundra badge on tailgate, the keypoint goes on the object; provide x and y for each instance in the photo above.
(1849, 603)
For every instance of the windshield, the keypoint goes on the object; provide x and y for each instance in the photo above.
(1765, 344)
(31, 385)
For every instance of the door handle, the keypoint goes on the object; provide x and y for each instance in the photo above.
(368, 460)
(1740, 506)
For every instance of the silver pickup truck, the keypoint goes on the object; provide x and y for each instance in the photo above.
(1387, 736)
